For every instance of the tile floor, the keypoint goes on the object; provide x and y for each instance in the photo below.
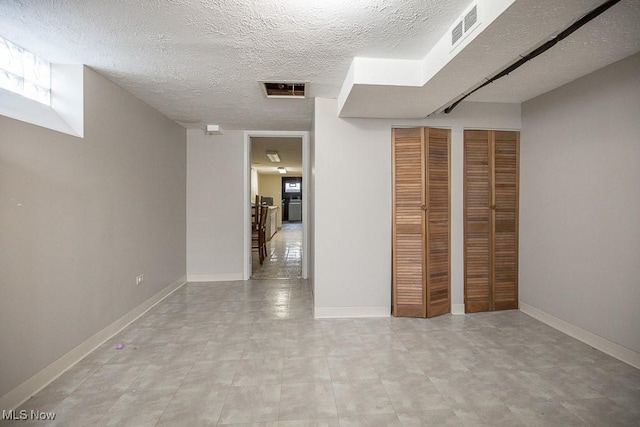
(250, 354)
(284, 255)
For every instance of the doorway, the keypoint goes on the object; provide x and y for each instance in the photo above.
(275, 167)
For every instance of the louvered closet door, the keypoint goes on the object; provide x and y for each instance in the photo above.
(409, 297)
(477, 221)
(421, 222)
(437, 224)
(505, 221)
(491, 220)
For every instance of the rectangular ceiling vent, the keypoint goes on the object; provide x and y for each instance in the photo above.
(471, 18)
(456, 33)
(464, 25)
(284, 89)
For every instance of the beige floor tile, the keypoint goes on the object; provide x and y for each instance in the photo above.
(258, 371)
(436, 417)
(495, 415)
(378, 420)
(541, 414)
(325, 422)
(254, 403)
(251, 352)
(361, 397)
(284, 255)
(601, 412)
(305, 369)
(307, 401)
(347, 368)
(195, 405)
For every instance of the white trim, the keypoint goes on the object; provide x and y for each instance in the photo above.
(457, 309)
(306, 174)
(33, 385)
(337, 312)
(595, 341)
(214, 277)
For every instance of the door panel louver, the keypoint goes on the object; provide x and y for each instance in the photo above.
(437, 233)
(477, 221)
(408, 250)
(505, 274)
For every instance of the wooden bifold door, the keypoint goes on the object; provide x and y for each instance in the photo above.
(421, 222)
(490, 220)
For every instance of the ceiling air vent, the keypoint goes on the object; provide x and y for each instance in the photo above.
(465, 25)
(471, 18)
(456, 33)
(284, 89)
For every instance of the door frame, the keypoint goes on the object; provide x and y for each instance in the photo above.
(247, 194)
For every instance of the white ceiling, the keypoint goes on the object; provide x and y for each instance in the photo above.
(199, 61)
(512, 29)
(611, 37)
(289, 150)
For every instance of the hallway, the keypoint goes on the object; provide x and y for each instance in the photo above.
(284, 255)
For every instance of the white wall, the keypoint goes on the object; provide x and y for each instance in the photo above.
(255, 184)
(352, 213)
(580, 203)
(311, 192)
(80, 219)
(352, 180)
(215, 205)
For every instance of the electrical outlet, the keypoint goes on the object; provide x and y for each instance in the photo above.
(139, 279)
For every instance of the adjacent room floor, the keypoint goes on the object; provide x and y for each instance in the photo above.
(284, 255)
(250, 353)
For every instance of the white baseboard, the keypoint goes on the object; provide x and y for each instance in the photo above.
(227, 277)
(589, 338)
(24, 391)
(337, 312)
(457, 309)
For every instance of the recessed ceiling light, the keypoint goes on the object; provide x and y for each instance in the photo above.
(273, 156)
(282, 170)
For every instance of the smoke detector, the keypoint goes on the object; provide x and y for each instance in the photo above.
(214, 130)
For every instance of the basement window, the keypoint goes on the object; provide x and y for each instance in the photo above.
(24, 73)
(284, 89)
(44, 94)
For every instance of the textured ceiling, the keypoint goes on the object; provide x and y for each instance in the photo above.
(524, 25)
(610, 37)
(199, 61)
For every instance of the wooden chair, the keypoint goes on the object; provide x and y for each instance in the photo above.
(259, 231)
(255, 211)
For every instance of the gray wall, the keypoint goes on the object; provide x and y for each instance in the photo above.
(79, 219)
(215, 205)
(580, 203)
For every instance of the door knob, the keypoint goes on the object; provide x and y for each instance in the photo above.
(424, 207)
